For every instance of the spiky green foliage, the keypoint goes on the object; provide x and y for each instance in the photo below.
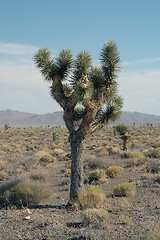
(64, 63)
(96, 76)
(81, 66)
(121, 129)
(53, 67)
(43, 61)
(67, 89)
(110, 61)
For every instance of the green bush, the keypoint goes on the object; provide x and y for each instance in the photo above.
(125, 189)
(23, 192)
(91, 197)
(136, 155)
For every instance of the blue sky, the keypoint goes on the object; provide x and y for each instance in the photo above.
(26, 26)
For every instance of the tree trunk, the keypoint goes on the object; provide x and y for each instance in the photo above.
(76, 167)
(124, 144)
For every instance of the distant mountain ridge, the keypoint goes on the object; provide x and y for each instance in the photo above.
(23, 119)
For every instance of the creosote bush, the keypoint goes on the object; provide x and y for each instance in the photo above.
(94, 215)
(125, 189)
(23, 192)
(114, 171)
(91, 197)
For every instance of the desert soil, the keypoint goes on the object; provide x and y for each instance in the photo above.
(134, 217)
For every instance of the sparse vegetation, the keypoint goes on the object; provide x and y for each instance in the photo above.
(124, 134)
(114, 171)
(134, 216)
(97, 175)
(94, 215)
(125, 189)
(22, 192)
(91, 197)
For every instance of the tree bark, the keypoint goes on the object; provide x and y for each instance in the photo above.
(76, 167)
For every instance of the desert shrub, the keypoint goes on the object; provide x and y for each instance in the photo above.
(38, 175)
(153, 166)
(132, 162)
(114, 171)
(23, 192)
(95, 163)
(136, 155)
(125, 189)
(91, 197)
(125, 154)
(54, 137)
(94, 215)
(47, 159)
(113, 150)
(155, 153)
(96, 175)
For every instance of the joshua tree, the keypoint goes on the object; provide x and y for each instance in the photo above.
(87, 94)
(124, 134)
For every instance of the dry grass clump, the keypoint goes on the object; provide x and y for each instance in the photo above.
(41, 153)
(38, 175)
(125, 189)
(97, 175)
(114, 171)
(23, 192)
(113, 150)
(58, 151)
(47, 159)
(91, 197)
(94, 215)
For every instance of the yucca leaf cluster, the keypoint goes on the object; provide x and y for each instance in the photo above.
(77, 83)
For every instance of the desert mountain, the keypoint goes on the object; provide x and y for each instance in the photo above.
(23, 119)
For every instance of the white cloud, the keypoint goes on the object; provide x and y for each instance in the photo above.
(142, 61)
(141, 91)
(17, 49)
(22, 86)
